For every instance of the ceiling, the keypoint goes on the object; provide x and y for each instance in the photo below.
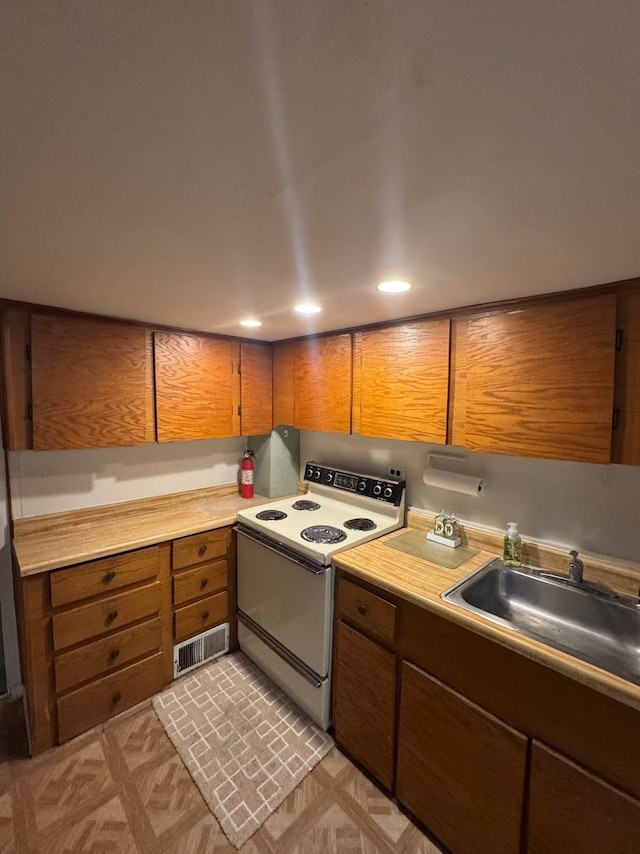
(193, 163)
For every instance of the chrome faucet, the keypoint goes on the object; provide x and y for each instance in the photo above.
(576, 567)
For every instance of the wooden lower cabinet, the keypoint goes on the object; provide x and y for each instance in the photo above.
(365, 701)
(571, 809)
(461, 771)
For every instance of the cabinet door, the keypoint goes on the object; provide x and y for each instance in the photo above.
(194, 388)
(284, 383)
(405, 380)
(540, 380)
(572, 810)
(92, 383)
(365, 701)
(460, 770)
(323, 384)
(256, 385)
(626, 437)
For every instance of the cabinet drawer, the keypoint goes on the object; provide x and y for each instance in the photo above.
(201, 547)
(201, 615)
(103, 576)
(82, 709)
(112, 612)
(203, 579)
(374, 615)
(97, 658)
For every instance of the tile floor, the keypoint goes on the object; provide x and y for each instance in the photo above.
(122, 788)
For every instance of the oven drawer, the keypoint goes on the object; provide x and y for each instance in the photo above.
(201, 615)
(201, 547)
(203, 579)
(369, 612)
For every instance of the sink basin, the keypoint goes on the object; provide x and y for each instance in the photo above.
(587, 622)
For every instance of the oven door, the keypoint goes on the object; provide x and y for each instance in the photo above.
(288, 597)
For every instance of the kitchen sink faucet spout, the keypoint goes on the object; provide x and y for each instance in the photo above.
(576, 567)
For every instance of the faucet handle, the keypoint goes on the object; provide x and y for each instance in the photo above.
(574, 553)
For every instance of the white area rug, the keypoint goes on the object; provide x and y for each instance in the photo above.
(244, 743)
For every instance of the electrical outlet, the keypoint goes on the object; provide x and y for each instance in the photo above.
(395, 473)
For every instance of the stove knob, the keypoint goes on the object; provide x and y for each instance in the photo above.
(388, 492)
(362, 486)
(317, 474)
(377, 489)
(328, 476)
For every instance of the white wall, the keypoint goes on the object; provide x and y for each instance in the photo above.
(53, 481)
(593, 508)
(7, 603)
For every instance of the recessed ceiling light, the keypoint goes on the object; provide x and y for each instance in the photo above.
(250, 321)
(308, 308)
(394, 287)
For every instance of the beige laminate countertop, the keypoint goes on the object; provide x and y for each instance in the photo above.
(421, 582)
(62, 539)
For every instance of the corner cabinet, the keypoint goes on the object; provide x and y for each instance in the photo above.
(322, 384)
(540, 380)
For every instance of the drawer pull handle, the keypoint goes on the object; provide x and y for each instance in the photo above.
(362, 610)
(111, 616)
(204, 583)
(116, 698)
(114, 654)
(205, 615)
(109, 576)
(202, 549)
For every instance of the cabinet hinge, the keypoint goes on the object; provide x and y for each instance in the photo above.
(615, 421)
(30, 412)
(28, 352)
(619, 338)
(239, 368)
(239, 410)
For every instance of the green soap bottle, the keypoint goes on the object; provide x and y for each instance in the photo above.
(512, 552)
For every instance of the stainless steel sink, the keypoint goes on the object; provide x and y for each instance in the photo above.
(589, 622)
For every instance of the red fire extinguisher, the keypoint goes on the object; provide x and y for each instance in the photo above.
(246, 481)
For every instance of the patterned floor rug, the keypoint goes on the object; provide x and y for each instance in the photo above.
(244, 743)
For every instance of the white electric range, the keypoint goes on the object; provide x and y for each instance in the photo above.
(285, 574)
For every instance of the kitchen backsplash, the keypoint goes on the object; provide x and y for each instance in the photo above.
(52, 481)
(593, 508)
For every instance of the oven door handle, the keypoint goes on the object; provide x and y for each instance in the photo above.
(262, 541)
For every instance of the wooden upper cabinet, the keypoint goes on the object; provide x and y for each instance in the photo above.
(323, 370)
(405, 381)
(194, 387)
(284, 361)
(540, 380)
(626, 435)
(570, 809)
(92, 383)
(256, 389)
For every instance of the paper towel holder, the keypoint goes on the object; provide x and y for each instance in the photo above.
(441, 478)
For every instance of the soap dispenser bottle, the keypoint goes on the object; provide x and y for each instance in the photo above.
(512, 553)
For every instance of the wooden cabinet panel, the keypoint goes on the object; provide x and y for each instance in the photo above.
(103, 576)
(256, 389)
(98, 658)
(105, 615)
(203, 614)
(82, 709)
(194, 386)
(356, 402)
(284, 383)
(540, 380)
(405, 381)
(572, 810)
(16, 338)
(369, 612)
(364, 709)
(626, 437)
(460, 770)
(203, 579)
(92, 383)
(457, 382)
(200, 547)
(323, 370)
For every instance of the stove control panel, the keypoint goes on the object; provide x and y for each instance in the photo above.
(389, 491)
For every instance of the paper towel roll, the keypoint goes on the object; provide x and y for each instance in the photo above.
(464, 483)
